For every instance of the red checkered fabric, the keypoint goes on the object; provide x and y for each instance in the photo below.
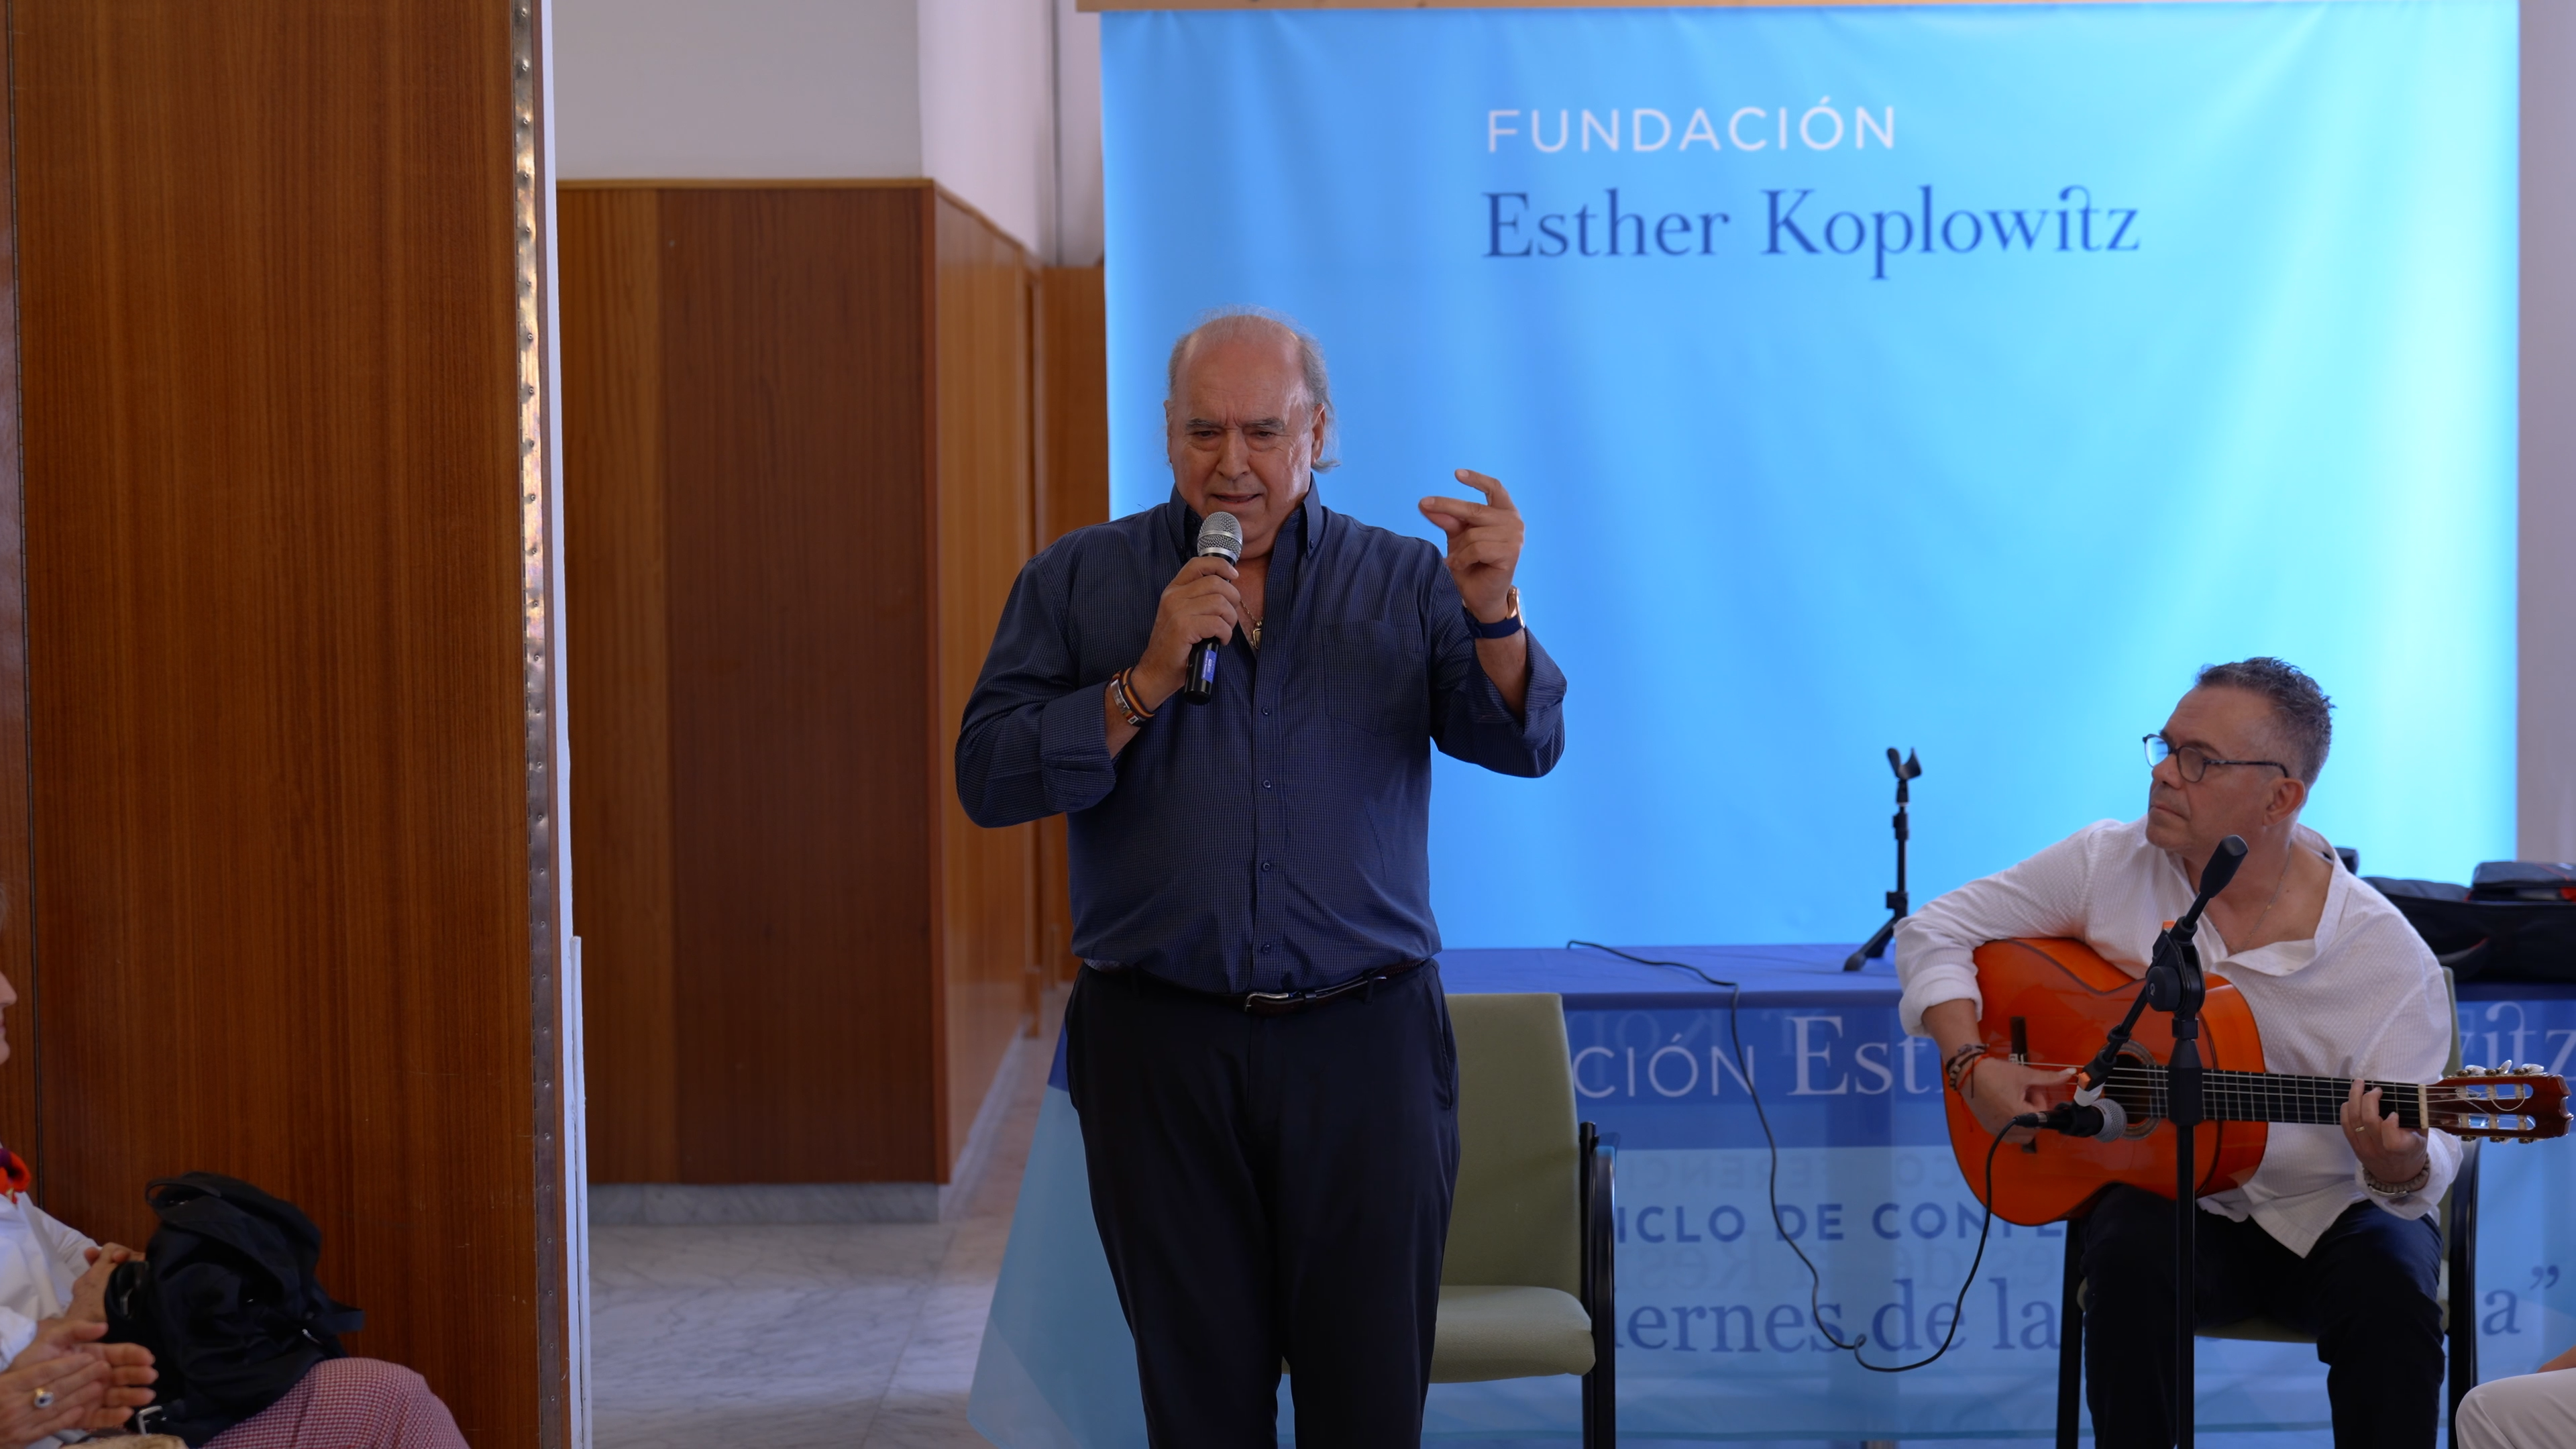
(349, 1403)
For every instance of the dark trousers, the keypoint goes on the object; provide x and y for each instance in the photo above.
(2365, 1291)
(1268, 1189)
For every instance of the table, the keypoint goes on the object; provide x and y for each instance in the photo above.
(1719, 1325)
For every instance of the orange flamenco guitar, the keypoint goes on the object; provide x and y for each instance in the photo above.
(2053, 1001)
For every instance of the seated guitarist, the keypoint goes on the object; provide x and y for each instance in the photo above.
(2334, 1233)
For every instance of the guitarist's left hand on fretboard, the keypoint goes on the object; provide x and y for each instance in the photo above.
(2391, 1152)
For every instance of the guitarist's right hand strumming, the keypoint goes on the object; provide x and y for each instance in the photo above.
(1997, 1089)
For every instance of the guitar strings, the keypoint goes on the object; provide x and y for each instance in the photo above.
(2318, 1101)
(1815, 1277)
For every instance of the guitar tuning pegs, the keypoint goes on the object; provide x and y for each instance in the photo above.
(2471, 1070)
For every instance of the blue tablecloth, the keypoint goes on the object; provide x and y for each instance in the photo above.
(1717, 1339)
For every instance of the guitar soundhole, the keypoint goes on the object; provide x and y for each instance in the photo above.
(2135, 1100)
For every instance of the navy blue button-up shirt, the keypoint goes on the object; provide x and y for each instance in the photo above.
(1277, 837)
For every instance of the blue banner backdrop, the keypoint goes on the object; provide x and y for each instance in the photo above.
(1715, 1324)
(1959, 377)
(1718, 1340)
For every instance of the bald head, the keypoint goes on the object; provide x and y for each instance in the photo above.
(1255, 331)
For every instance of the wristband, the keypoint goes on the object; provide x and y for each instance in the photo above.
(1125, 701)
(1509, 625)
(1963, 1061)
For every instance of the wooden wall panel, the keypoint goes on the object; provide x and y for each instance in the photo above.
(280, 782)
(985, 533)
(1073, 490)
(1073, 401)
(18, 1117)
(795, 404)
(616, 617)
(810, 407)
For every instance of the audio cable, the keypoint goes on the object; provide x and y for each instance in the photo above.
(1815, 1276)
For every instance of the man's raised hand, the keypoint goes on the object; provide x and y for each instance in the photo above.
(1484, 544)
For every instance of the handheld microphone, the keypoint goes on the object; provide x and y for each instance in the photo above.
(2105, 1120)
(1222, 536)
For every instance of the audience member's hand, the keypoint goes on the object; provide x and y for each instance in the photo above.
(89, 1293)
(130, 1376)
(101, 1384)
(60, 1369)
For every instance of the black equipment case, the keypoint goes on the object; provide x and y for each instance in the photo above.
(2516, 921)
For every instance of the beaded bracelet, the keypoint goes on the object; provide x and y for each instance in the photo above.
(2413, 1184)
(1964, 1060)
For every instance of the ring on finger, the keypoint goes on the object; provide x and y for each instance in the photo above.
(44, 1398)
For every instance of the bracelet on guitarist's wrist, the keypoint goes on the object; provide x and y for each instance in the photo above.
(1962, 1062)
(2416, 1183)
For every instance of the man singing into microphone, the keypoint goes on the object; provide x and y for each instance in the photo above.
(1258, 1045)
(2333, 1234)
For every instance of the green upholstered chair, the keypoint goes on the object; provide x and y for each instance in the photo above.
(2456, 1287)
(1526, 1284)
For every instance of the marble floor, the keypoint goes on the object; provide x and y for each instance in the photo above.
(802, 1336)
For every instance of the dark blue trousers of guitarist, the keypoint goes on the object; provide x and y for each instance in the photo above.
(2334, 1234)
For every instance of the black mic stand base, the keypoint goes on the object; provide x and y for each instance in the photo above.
(1874, 947)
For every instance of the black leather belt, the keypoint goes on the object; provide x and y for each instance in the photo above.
(1276, 1003)
(1289, 1003)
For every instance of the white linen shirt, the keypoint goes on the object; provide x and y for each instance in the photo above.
(2363, 998)
(40, 1259)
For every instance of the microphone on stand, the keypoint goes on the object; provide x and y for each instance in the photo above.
(1222, 536)
(2213, 878)
(1898, 903)
(2105, 1119)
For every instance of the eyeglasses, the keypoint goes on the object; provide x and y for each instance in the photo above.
(2193, 763)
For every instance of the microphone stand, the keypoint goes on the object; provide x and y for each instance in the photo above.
(1897, 905)
(2181, 991)
(2174, 984)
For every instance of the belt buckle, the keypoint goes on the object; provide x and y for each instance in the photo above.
(1271, 1003)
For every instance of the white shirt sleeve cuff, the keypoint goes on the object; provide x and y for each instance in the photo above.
(1935, 980)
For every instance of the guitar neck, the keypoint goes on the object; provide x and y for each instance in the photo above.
(2273, 1096)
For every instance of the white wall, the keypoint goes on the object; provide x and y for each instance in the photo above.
(2547, 802)
(725, 89)
(1077, 91)
(962, 91)
(988, 109)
